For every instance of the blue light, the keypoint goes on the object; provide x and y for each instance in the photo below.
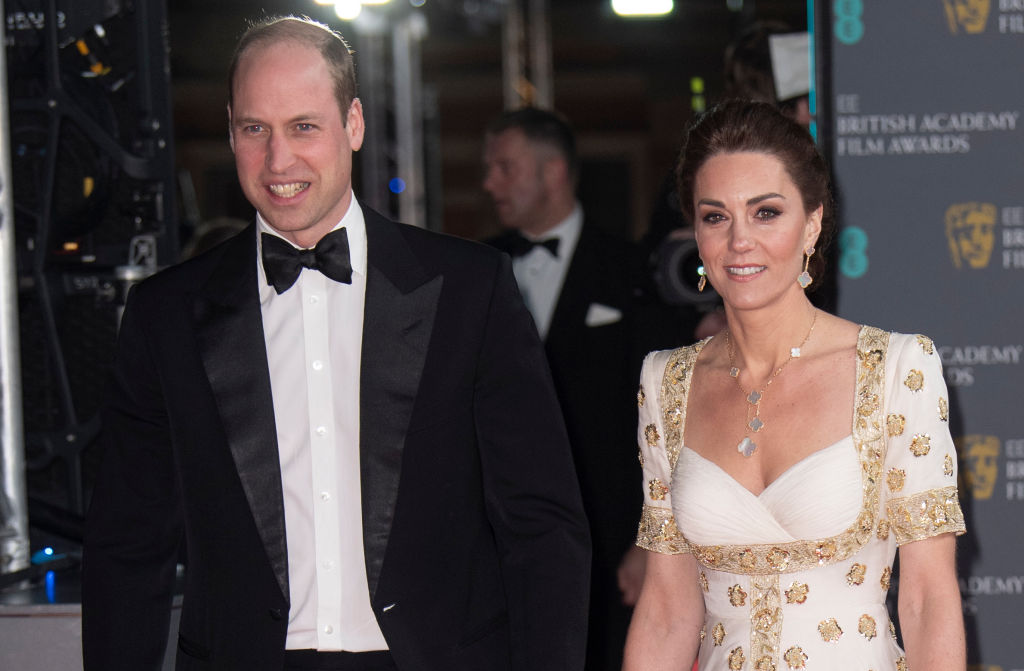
(396, 185)
(44, 555)
(51, 587)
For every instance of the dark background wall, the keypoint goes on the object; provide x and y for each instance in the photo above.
(625, 84)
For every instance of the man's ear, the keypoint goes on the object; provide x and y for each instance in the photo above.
(555, 171)
(355, 125)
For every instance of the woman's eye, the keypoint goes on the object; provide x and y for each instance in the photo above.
(712, 218)
(767, 213)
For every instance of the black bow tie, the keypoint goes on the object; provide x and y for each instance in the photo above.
(282, 262)
(522, 245)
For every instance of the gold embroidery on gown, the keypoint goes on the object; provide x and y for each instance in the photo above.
(900, 445)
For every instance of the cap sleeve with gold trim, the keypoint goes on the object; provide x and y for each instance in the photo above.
(920, 493)
(659, 434)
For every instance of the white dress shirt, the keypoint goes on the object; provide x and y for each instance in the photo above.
(313, 334)
(540, 274)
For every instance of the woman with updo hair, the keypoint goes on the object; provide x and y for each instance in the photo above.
(787, 458)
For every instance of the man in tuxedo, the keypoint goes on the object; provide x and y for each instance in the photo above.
(328, 410)
(579, 283)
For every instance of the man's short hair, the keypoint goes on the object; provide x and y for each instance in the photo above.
(304, 31)
(543, 127)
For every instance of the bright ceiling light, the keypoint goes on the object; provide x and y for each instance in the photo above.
(347, 9)
(375, 2)
(641, 7)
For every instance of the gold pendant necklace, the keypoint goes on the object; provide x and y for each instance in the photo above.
(747, 446)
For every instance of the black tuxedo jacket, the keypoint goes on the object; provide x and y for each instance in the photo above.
(476, 546)
(596, 369)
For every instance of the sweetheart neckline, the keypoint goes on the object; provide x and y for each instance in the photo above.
(780, 476)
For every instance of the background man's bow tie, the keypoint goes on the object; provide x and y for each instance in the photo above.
(522, 245)
(283, 262)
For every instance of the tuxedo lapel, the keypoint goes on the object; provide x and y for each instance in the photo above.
(229, 328)
(401, 302)
(571, 307)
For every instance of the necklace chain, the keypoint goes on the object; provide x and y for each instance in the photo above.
(747, 446)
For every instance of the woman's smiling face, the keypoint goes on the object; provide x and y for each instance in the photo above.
(751, 227)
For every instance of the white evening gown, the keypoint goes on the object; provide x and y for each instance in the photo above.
(796, 578)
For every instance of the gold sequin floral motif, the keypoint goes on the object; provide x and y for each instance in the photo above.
(658, 532)
(886, 577)
(901, 664)
(937, 513)
(718, 634)
(764, 663)
(868, 404)
(640, 397)
(825, 550)
(883, 529)
(703, 580)
(829, 630)
(777, 559)
(855, 576)
(710, 556)
(943, 409)
(674, 413)
(658, 489)
(765, 620)
(926, 344)
(895, 423)
(737, 596)
(896, 479)
(736, 659)
(640, 456)
(796, 658)
(920, 444)
(703, 633)
(870, 358)
(866, 627)
(947, 466)
(797, 592)
(651, 434)
(747, 559)
(914, 380)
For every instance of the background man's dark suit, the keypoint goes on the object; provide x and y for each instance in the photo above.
(596, 369)
(476, 549)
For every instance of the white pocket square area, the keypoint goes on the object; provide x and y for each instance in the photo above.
(601, 315)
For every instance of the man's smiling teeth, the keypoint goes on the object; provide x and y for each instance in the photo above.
(746, 270)
(288, 190)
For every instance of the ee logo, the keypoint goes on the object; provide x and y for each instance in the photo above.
(853, 245)
(848, 27)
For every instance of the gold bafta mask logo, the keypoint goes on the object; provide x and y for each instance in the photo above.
(970, 231)
(969, 16)
(981, 456)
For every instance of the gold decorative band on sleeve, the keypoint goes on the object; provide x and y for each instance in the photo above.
(658, 532)
(930, 513)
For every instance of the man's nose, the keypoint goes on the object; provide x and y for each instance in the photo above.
(280, 156)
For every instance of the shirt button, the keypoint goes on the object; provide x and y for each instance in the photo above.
(321, 430)
(326, 496)
(328, 564)
(328, 629)
(314, 299)
(318, 365)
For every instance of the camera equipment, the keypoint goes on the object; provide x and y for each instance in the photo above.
(674, 265)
